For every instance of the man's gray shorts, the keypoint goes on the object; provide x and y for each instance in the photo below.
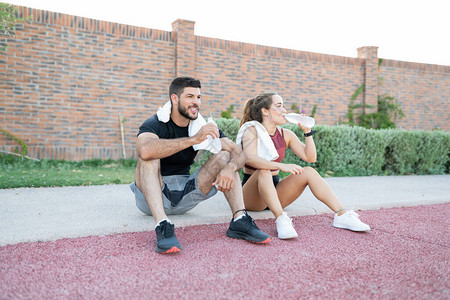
(180, 194)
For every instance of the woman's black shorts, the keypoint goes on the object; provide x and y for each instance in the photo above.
(275, 179)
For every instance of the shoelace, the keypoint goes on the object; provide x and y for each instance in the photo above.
(290, 219)
(167, 230)
(248, 220)
(353, 214)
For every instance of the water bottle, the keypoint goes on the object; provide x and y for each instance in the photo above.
(294, 118)
(214, 145)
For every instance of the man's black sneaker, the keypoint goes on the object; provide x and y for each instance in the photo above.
(166, 241)
(245, 228)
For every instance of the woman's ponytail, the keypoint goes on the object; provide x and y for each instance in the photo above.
(247, 110)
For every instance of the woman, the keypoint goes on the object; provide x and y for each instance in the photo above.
(262, 187)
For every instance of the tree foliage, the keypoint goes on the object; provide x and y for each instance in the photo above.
(387, 113)
(8, 22)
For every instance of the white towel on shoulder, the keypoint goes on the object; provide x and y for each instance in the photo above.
(265, 147)
(163, 113)
(210, 144)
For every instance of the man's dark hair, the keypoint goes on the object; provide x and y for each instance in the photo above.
(178, 84)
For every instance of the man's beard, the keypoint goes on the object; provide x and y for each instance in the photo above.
(184, 112)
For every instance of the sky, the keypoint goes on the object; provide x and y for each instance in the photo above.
(415, 31)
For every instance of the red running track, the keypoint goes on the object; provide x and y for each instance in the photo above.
(404, 256)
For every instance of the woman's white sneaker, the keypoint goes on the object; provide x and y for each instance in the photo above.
(350, 220)
(285, 228)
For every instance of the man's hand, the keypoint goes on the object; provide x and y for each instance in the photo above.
(208, 129)
(225, 179)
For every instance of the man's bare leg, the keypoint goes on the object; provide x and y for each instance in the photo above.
(242, 226)
(149, 181)
(207, 175)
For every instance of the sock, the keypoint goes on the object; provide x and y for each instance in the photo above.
(238, 218)
(162, 221)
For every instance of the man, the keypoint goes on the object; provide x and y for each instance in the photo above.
(163, 184)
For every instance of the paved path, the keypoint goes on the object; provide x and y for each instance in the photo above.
(42, 214)
(96, 245)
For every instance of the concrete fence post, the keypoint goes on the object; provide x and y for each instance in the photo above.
(370, 56)
(183, 32)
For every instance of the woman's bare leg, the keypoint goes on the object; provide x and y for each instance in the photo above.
(259, 193)
(291, 187)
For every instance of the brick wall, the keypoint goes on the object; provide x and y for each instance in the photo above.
(422, 90)
(233, 72)
(65, 80)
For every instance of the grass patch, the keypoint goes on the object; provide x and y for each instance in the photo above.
(19, 172)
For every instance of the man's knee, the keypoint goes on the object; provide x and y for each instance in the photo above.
(220, 159)
(213, 166)
(146, 168)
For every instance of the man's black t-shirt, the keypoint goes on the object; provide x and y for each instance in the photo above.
(180, 162)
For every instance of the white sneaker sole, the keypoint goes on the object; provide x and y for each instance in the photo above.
(286, 237)
(349, 228)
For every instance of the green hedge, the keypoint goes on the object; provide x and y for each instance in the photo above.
(355, 151)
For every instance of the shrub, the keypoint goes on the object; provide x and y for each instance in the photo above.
(433, 153)
(355, 151)
(401, 151)
(230, 127)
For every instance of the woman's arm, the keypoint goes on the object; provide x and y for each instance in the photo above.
(250, 145)
(306, 152)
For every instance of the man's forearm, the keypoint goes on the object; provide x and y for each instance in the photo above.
(161, 148)
(237, 158)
